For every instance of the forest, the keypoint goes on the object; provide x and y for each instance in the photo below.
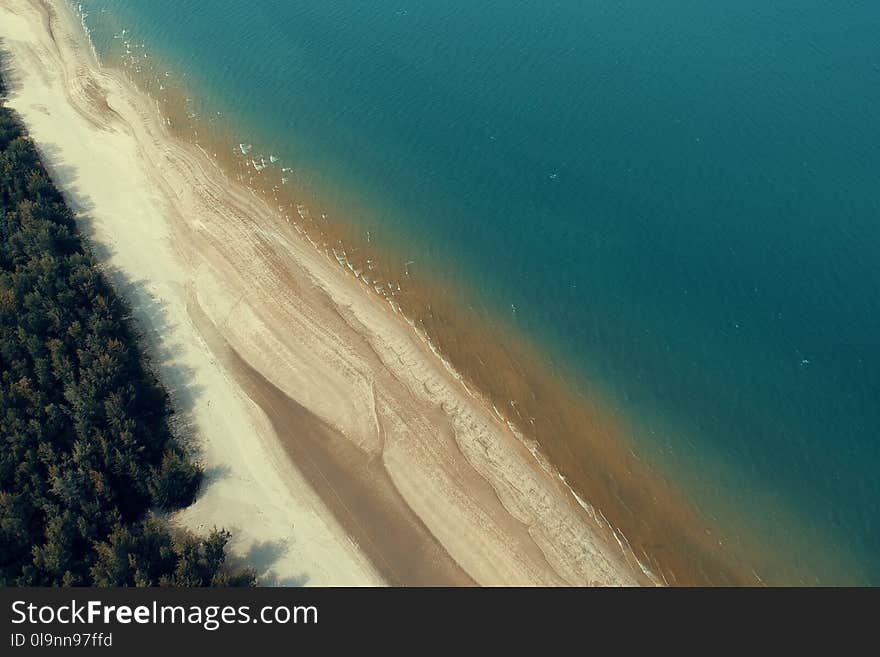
(89, 465)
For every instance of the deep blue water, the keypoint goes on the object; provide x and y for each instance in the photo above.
(680, 201)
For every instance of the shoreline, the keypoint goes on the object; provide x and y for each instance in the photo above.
(562, 418)
(211, 265)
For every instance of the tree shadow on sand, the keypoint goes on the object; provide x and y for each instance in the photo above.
(11, 80)
(263, 556)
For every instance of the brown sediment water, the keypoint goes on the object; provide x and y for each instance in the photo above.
(576, 431)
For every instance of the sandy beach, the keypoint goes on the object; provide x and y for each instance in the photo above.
(339, 448)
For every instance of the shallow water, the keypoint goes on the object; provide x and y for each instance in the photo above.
(676, 205)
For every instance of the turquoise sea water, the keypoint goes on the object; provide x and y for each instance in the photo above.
(678, 201)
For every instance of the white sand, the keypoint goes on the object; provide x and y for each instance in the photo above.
(212, 272)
